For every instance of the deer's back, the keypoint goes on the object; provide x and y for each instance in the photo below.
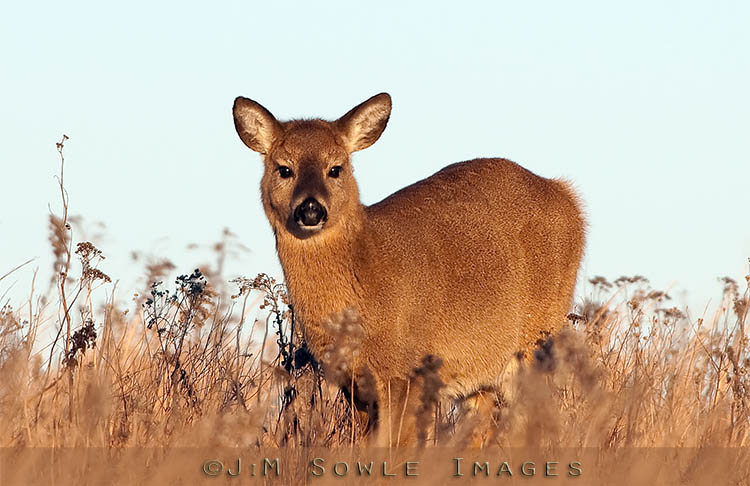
(482, 253)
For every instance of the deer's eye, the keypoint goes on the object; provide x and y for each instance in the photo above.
(285, 172)
(335, 171)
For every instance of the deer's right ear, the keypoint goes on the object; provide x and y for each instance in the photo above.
(255, 125)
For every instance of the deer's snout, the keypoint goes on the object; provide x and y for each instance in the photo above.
(310, 213)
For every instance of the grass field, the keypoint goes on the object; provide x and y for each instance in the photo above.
(631, 383)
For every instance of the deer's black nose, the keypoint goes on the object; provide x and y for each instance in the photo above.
(310, 213)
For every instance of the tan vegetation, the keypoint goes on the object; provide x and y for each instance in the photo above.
(184, 367)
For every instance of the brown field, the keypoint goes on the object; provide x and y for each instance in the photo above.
(147, 391)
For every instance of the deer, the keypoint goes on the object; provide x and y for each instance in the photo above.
(472, 265)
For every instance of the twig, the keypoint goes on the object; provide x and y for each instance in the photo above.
(18, 267)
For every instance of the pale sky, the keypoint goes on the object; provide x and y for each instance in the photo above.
(644, 105)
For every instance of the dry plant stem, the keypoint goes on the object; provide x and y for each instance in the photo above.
(403, 412)
(351, 405)
(262, 352)
(63, 274)
(390, 416)
(31, 336)
(107, 328)
(237, 379)
(16, 268)
(2, 297)
(435, 424)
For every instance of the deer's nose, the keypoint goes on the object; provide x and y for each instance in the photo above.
(310, 213)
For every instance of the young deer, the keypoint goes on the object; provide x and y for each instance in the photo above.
(473, 264)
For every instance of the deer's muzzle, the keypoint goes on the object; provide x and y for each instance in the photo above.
(310, 213)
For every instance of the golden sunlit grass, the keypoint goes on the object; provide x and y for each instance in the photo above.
(185, 366)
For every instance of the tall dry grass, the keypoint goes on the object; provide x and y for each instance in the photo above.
(184, 365)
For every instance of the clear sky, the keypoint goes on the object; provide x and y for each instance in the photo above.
(645, 105)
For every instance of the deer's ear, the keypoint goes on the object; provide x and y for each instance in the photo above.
(364, 123)
(255, 125)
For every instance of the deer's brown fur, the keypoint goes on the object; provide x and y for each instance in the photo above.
(473, 264)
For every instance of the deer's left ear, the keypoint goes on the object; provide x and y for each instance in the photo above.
(364, 123)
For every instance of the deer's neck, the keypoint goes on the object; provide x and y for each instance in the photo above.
(320, 275)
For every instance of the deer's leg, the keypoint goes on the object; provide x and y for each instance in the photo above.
(483, 410)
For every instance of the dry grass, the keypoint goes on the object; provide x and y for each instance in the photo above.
(184, 367)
